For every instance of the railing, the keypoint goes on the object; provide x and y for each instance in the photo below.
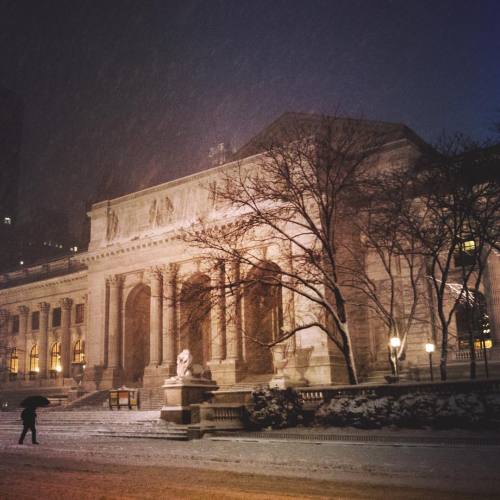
(218, 415)
(492, 354)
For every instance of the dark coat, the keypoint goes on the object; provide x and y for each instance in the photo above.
(28, 416)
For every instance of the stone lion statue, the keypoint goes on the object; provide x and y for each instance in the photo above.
(184, 364)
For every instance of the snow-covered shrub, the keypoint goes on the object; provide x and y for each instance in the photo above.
(411, 410)
(274, 408)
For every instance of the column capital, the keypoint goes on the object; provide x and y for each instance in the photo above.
(115, 280)
(66, 303)
(44, 307)
(23, 310)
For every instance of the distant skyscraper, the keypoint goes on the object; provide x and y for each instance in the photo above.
(11, 122)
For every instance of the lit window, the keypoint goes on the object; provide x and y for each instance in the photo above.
(7, 220)
(34, 368)
(55, 358)
(79, 352)
(469, 246)
(14, 362)
(466, 254)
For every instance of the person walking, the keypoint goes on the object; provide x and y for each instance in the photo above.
(28, 416)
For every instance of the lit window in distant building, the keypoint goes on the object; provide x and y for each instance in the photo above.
(80, 313)
(34, 367)
(15, 323)
(56, 317)
(7, 220)
(473, 319)
(35, 321)
(79, 352)
(55, 359)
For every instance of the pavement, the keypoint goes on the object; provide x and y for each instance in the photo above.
(432, 461)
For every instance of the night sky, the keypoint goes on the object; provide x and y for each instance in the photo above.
(137, 91)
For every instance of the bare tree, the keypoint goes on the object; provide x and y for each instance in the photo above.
(455, 211)
(389, 272)
(291, 197)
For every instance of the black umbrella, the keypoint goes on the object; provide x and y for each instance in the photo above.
(34, 402)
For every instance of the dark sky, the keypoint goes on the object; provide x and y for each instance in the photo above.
(143, 88)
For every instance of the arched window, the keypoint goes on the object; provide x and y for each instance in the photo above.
(472, 318)
(55, 358)
(13, 364)
(34, 368)
(79, 352)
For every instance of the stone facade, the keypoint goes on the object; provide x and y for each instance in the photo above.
(130, 303)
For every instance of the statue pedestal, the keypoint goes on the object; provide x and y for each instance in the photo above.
(280, 381)
(180, 393)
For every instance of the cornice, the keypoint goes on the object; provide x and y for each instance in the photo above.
(46, 283)
(129, 246)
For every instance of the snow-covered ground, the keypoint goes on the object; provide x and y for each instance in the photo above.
(466, 469)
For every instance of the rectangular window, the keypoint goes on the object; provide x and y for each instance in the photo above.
(80, 313)
(56, 317)
(466, 255)
(15, 323)
(35, 320)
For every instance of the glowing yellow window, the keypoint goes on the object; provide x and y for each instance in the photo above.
(55, 357)
(14, 362)
(79, 352)
(469, 246)
(34, 368)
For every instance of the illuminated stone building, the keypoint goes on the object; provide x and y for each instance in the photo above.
(122, 307)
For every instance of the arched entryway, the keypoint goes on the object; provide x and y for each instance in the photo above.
(263, 316)
(195, 318)
(136, 341)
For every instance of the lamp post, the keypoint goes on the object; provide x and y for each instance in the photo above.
(429, 348)
(395, 343)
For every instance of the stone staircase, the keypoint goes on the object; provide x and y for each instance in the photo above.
(13, 398)
(97, 400)
(112, 424)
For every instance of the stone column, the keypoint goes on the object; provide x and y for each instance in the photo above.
(115, 285)
(66, 305)
(43, 347)
(155, 319)
(218, 313)
(169, 319)
(233, 314)
(23, 339)
(492, 285)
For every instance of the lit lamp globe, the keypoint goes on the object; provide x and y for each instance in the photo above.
(58, 369)
(429, 347)
(395, 342)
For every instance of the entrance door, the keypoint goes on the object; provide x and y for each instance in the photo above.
(136, 345)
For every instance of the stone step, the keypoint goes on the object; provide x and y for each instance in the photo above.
(173, 434)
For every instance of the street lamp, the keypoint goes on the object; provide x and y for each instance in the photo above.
(429, 348)
(395, 343)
